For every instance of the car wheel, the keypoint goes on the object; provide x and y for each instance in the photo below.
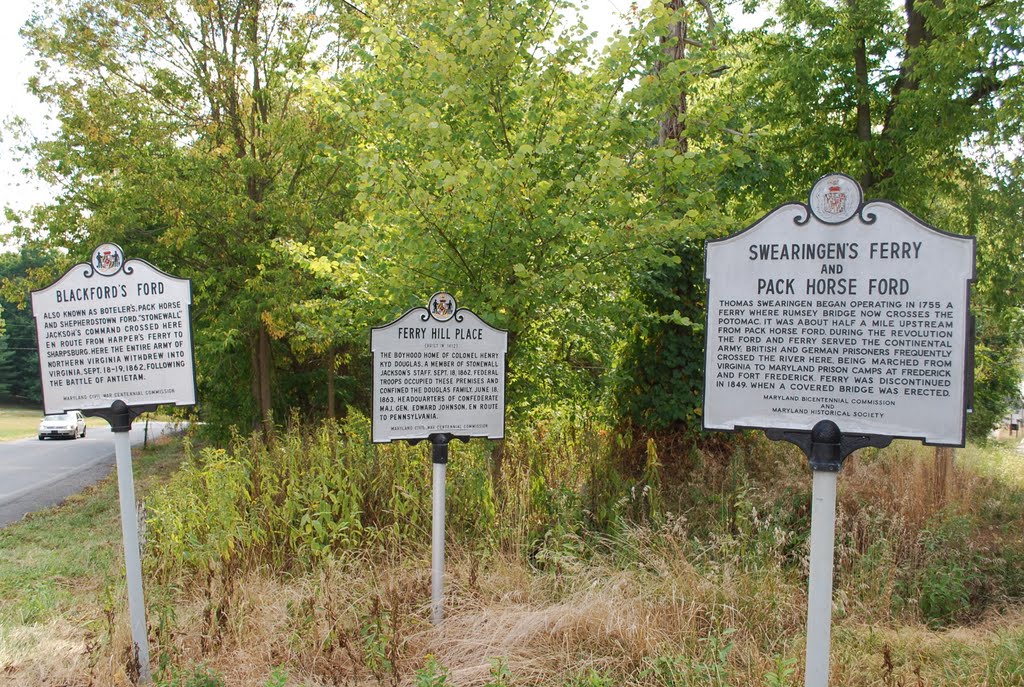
(41, 437)
(83, 432)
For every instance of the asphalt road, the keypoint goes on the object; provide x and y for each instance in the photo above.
(38, 474)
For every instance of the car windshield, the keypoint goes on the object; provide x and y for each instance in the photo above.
(59, 416)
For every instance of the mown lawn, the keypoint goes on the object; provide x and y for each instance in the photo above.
(18, 422)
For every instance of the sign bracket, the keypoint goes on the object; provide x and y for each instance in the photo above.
(120, 415)
(825, 446)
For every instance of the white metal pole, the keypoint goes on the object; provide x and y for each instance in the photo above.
(437, 545)
(132, 555)
(819, 592)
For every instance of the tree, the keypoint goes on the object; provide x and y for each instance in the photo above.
(488, 167)
(895, 97)
(661, 370)
(500, 164)
(19, 361)
(189, 136)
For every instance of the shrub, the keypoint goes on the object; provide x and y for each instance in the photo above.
(309, 495)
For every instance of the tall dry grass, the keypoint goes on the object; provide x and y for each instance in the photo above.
(563, 572)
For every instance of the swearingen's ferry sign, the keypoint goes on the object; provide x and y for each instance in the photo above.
(856, 312)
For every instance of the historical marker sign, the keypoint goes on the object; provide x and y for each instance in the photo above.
(858, 313)
(114, 329)
(438, 370)
(114, 337)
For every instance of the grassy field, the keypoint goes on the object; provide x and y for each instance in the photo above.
(672, 605)
(18, 422)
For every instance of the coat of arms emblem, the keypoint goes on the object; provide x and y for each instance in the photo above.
(835, 198)
(441, 306)
(107, 259)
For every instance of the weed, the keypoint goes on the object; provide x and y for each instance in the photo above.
(781, 674)
(592, 678)
(432, 674)
(500, 675)
(278, 678)
(198, 676)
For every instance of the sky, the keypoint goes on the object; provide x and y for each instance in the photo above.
(20, 193)
(16, 102)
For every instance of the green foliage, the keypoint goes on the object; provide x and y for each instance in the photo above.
(500, 675)
(489, 169)
(662, 370)
(996, 214)
(307, 497)
(19, 358)
(278, 678)
(782, 674)
(198, 676)
(951, 576)
(591, 678)
(710, 668)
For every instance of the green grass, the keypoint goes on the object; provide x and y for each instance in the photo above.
(18, 422)
(55, 561)
(999, 460)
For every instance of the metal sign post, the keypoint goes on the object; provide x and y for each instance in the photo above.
(439, 459)
(819, 585)
(826, 447)
(120, 417)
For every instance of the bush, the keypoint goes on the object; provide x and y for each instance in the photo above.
(307, 496)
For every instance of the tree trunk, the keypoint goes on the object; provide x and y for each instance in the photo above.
(673, 124)
(332, 359)
(261, 378)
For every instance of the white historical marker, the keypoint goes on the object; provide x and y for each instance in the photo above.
(438, 370)
(114, 337)
(114, 330)
(853, 312)
(438, 374)
(838, 318)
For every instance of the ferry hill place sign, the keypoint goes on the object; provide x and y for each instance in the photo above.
(842, 310)
(114, 329)
(438, 370)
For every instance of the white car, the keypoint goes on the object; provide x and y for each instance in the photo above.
(70, 425)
